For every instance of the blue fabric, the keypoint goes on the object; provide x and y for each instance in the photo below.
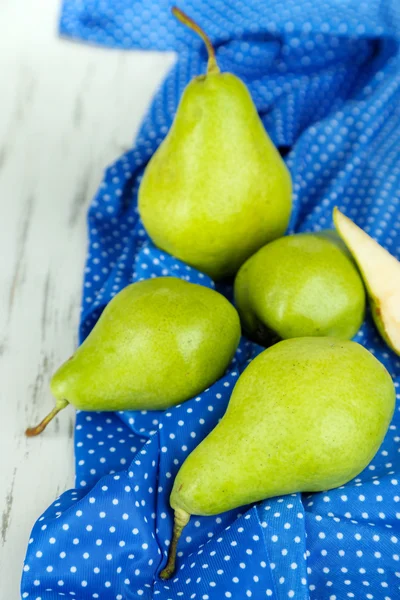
(325, 78)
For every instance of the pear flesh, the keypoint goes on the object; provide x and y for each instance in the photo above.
(157, 343)
(216, 189)
(300, 285)
(381, 273)
(306, 415)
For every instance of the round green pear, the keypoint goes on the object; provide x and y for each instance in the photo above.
(300, 285)
(216, 189)
(307, 415)
(157, 343)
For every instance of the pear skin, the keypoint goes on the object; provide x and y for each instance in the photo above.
(157, 343)
(300, 285)
(381, 274)
(216, 189)
(306, 415)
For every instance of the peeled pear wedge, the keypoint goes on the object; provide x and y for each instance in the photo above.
(381, 274)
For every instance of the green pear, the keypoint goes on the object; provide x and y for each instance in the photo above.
(157, 343)
(306, 415)
(300, 285)
(216, 189)
(381, 274)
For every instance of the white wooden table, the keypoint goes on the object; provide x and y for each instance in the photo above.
(66, 111)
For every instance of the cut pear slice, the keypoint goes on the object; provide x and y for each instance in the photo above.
(381, 274)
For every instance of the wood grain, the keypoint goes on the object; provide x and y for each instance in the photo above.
(66, 111)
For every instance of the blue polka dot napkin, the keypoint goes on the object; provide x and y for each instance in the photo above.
(326, 80)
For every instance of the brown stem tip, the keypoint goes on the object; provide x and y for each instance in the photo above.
(33, 431)
(181, 519)
(212, 66)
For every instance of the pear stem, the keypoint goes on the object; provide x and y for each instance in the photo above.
(32, 431)
(181, 519)
(212, 66)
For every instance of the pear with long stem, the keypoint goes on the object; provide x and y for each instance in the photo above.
(158, 343)
(306, 415)
(216, 189)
